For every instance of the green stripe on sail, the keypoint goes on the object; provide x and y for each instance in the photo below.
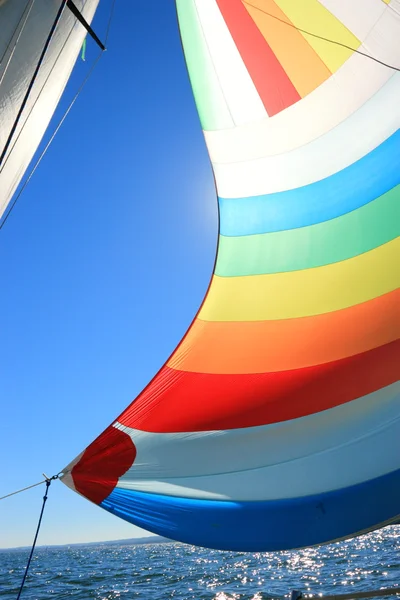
(305, 248)
(211, 105)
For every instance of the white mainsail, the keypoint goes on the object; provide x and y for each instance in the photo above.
(25, 27)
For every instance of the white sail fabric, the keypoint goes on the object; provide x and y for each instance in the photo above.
(25, 26)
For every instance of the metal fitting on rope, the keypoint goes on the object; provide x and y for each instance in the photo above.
(53, 478)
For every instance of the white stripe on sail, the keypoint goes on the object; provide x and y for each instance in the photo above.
(283, 460)
(204, 79)
(238, 88)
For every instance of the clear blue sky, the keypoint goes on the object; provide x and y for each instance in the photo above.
(104, 262)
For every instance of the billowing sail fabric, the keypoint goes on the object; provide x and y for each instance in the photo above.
(276, 422)
(25, 27)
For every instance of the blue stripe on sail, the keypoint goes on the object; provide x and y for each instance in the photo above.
(347, 190)
(262, 526)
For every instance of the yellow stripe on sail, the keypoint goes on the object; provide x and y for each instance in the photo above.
(304, 293)
(312, 16)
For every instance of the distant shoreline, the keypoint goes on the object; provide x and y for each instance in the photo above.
(156, 539)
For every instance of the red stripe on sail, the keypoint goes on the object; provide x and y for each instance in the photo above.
(178, 401)
(273, 85)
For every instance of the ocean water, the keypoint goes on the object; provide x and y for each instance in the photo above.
(161, 571)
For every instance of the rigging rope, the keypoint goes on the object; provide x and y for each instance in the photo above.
(61, 121)
(48, 483)
(23, 489)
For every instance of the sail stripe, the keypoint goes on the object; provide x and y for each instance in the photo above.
(302, 64)
(215, 402)
(266, 346)
(304, 293)
(211, 104)
(276, 91)
(307, 247)
(237, 86)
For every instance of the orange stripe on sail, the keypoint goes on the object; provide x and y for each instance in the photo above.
(302, 64)
(273, 85)
(270, 346)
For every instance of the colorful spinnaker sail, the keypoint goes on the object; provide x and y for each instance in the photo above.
(24, 28)
(276, 422)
